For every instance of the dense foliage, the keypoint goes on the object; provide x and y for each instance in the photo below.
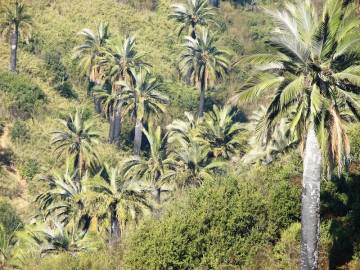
(124, 143)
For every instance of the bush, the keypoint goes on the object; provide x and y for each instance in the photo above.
(29, 169)
(25, 95)
(60, 77)
(20, 132)
(225, 222)
(8, 217)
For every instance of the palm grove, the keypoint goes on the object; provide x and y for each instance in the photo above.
(309, 82)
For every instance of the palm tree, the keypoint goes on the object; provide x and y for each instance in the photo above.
(62, 202)
(203, 62)
(142, 99)
(116, 198)
(119, 62)
(314, 76)
(220, 132)
(154, 168)
(77, 140)
(180, 131)
(15, 22)
(193, 164)
(192, 14)
(90, 52)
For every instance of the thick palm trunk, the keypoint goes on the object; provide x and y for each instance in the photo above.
(13, 47)
(115, 126)
(138, 137)
(310, 203)
(202, 93)
(115, 231)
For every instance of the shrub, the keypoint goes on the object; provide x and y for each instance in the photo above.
(25, 95)
(224, 222)
(60, 77)
(20, 132)
(8, 217)
(29, 169)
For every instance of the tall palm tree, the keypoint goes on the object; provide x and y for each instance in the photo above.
(142, 99)
(117, 199)
(15, 22)
(314, 77)
(220, 132)
(203, 62)
(119, 62)
(78, 139)
(90, 52)
(192, 14)
(154, 168)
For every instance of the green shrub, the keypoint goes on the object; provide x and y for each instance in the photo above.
(224, 222)
(20, 132)
(25, 95)
(8, 217)
(59, 75)
(29, 169)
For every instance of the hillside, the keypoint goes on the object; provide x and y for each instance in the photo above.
(175, 189)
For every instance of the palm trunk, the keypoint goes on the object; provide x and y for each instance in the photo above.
(203, 86)
(158, 195)
(117, 125)
(310, 204)
(138, 136)
(193, 32)
(111, 127)
(13, 47)
(78, 165)
(115, 231)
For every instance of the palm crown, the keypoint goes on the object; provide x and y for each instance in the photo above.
(191, 14)
(203, 62)
(15, 18)
(220, 132)
(315, 73)
(78, 140)
(92, 48)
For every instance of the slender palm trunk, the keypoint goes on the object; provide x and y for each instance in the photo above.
(13, 47)
(117, 125)
(158, 195)
(310, 204)
(111, 127)
(193, 32)
(115, 230)
(78, 166)
(203, 86)
(138, 136)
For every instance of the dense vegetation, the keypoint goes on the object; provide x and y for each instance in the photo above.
(159, 134)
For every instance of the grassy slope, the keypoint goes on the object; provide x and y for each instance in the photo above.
(56, 25)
